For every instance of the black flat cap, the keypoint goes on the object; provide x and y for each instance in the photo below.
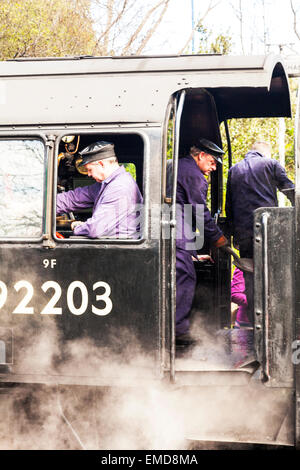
(212, 149)
(97, 151)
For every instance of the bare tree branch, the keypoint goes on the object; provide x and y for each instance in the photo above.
(152, 30)
(241, 26)
(294, 19)
(128, 26)
(109, 6)
(141, 25)
(264, 24)
(198, 22)
(110, 26)
(239, 14)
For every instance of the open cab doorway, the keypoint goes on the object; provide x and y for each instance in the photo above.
(223, 358)
(116, 292)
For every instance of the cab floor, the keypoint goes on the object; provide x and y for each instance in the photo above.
(230, 349)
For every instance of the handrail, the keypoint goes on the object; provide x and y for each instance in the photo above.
(266, 363)
(173, 236)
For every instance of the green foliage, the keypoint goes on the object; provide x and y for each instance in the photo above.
(170, 138)
(222, 44)
(39, 28)
(244, 132)
(130, 167)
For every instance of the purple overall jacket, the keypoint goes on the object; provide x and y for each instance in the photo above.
(192, 190)
(252, 183)
(115, 202)
(238, 296)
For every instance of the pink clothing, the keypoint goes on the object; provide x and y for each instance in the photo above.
(238, 296)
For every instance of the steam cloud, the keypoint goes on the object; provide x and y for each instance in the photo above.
(138, 413)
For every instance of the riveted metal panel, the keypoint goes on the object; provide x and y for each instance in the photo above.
(137, 90)
(296, 343)
(102, 273)
(274, 293)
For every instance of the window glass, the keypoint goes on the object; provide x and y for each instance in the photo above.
(170, 155)
(99, 201)
(130, 167)
(21, 188)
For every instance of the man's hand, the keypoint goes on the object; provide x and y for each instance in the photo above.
(290, 194)
(222, 241)
(203, 258)
(76, 224)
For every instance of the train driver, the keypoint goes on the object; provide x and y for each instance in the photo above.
(114, 197)
(192, 191)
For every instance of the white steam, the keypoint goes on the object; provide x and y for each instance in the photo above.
(140, 411)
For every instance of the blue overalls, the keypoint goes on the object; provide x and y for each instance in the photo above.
(192, 190)
(252, 183)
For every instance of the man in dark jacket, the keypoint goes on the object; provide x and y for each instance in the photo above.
(253, 183)
(192, 192)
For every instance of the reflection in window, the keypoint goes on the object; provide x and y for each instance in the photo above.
(131, 168)
(170, 154)
(21, 188)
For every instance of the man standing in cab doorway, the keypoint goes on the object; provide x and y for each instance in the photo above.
(253, 183)
(192, 191)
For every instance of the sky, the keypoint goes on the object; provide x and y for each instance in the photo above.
(176, 27)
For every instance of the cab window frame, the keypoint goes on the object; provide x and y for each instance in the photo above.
(5, 136)
(145, 171)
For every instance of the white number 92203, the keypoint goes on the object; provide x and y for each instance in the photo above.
(51, 308)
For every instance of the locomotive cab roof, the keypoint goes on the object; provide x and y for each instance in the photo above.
(137, 89)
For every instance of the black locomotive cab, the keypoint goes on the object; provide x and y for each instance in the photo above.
(129, 149)
(100, 311)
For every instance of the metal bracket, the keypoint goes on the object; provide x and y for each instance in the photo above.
(50, 141)
(48, 242)
(264, 221)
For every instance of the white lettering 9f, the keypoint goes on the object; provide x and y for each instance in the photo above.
(47, 263)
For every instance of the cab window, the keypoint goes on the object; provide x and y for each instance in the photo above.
(22, 168)
(129, 150)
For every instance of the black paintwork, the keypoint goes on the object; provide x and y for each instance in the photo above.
(132, 274)
(274, 327)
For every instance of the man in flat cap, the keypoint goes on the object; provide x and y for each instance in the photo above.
(192, 190)
(253, 183)
(114, 196)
